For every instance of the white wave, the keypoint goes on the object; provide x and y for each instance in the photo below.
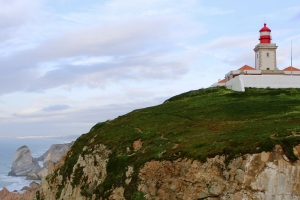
(41, 163)
(14, 183)
(40, 152)
(39, 136)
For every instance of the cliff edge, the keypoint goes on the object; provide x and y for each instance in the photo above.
(265, 176)
(205, 144)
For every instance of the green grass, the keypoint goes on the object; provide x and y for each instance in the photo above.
(201, 123)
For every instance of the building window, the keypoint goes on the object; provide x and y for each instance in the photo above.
(256, 55)
(268, 68)
(267, 54)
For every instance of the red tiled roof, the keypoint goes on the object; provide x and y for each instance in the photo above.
(246, 67)
(222, 81)
(289, 69)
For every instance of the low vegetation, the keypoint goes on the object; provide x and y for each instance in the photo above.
(198, 125)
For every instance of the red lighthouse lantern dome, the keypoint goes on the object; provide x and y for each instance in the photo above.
(265, 34)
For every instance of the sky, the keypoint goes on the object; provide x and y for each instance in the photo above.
(66, 65)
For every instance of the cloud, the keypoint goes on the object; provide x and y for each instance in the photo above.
(54, 108)
(96, 45)
(139, 50)
(69, 121)
(15, 14)
(245, 58)
(233, 42)
(294, 9)
(234, 51)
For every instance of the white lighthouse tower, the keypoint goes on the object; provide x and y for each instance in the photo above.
(265, 51)
(265, 74)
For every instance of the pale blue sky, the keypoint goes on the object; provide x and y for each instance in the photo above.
(68, 64)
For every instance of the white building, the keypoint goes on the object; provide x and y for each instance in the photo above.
(265, 51)
(265, 74)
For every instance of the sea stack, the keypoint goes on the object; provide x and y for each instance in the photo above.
(24, 163)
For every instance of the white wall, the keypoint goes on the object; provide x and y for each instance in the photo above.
(241, 82)
(257, 60)
(268, 61)
(293, 72)
(262, 62)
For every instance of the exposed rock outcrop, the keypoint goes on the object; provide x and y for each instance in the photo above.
(32, 176)
(24, 163)
(43, 173)
(55, 152)
(51, 157)
(33, 186)
(137, 145)
(27, 195)
(267, 175)
(93, 167)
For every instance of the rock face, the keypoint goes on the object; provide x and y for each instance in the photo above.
(51, 157)
(55, 152)
(23, 163)
(94, 171)
(27, 195)
(267, 175)
(32, 176)
(33, 186)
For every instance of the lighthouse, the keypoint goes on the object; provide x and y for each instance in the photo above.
(265, 51)
(265, 74)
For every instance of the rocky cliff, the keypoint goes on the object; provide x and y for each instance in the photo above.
(266, 175)
(29, 193)
(51, 157)
(204, 144)
(89, 171)
(55, 152)
(24, 163)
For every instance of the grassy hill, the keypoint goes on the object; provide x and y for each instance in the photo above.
(197, 124)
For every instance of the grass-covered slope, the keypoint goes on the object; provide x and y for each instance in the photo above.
(197, 125)
(208, 122)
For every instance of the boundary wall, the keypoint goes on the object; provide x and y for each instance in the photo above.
(241, 82)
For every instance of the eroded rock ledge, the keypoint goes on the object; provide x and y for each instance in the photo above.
(27, 195)
(267, 175)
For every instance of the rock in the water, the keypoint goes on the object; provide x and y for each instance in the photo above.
(23, 163)
(32, 176)
(33, 186)
(25, 188)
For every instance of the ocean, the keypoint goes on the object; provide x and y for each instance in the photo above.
(8, 147)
